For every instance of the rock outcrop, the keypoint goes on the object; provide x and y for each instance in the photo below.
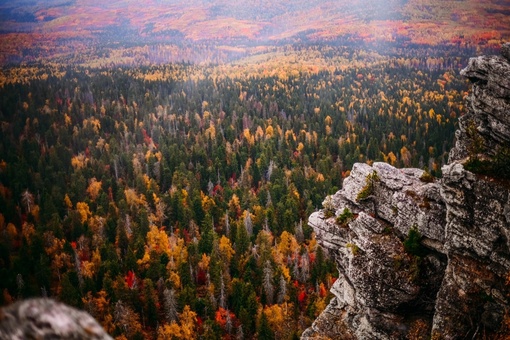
(47, 319)
(420, 257)
(486, 125)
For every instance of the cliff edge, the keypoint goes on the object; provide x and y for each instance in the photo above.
(420, 257)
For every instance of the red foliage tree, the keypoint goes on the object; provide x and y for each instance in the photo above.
(131, 279)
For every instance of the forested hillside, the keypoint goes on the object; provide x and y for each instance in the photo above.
(173, 199)
(221, 30)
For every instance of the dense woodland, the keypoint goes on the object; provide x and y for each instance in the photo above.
(171, 201)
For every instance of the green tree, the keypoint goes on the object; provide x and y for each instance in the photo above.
(264, 331)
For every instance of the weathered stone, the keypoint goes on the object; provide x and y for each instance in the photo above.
(505, 51)
(378, 278)
(47, 319)
(486, 126)
(458, 287)
(331, 324)
(475, 211)
(466, 304)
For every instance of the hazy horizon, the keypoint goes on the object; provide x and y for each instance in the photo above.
(35, 30)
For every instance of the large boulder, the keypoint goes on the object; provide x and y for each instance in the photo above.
(47, 319)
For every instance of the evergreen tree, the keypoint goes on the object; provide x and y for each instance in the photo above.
(264, 332)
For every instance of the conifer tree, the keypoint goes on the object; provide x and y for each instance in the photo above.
(264, 331)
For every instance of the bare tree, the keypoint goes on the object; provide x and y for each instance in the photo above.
(282, 290)
(300, 237)
(28, 200)
(248, 224)
(240, 333)
(170, 305)
(267, 282)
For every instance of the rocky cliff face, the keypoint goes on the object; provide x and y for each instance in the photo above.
(420, 257)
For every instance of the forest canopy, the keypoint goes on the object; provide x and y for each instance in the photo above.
(172, 200)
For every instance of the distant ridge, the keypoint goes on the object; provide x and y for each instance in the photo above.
(38, 30)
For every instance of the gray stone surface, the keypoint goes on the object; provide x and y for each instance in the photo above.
(459, 286)
(505, 51)
(486, 125)
(378, 278)
(47, 319)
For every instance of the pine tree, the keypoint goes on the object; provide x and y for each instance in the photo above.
(242, 242)
(150, 307)
(264, 332)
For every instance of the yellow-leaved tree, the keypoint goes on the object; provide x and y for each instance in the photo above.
(288, 245)
(99, 307)
(158, 241)
(67, 202)
(94, 188)
(188, 321)
(226, 250)
(170, 331)
(84, 210)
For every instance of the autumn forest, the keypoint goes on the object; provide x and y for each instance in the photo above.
(172, 200)
(159, 159)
